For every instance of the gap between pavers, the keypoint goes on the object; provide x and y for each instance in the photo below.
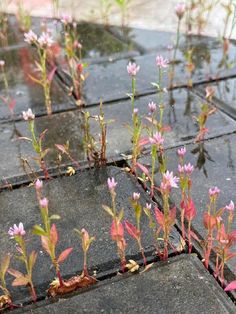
(78, 200)
(181, 285)
(214, 166)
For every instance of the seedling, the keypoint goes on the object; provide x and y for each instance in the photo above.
(135, 231)
(18, 233)
(36, 141)
(117, 229)
(42, 44)
(86, 242)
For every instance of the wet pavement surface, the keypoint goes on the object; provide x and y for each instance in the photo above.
(78, 199)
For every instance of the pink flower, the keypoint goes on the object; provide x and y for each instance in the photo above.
(45, 40)
(14, 231)
(180, 10)
(28, 115)
(44, 202)
(132, 69)
(136, 196)
(30, 37)
(188, 168)
(149, 206)
(181, 169)
(66, 19)
(157, 139)
(214, 192)
(152, 106)
(161, 62)
(181, 152)
(111, 184)
(2, 63)
(135, 111)
(210, 91)
(38, 184)
(230, 207)
(170, 180)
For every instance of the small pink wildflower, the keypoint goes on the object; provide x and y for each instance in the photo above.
(181, 152)
(28, 115)
(181, 169)
(44, 202)
(2, 63)
(149, 206)
(111, 184)
(230, 207)
(170, 180)
(135, 110)
(66, 19)
(161, 62)
(213, 192)
(38, 184)
(136, 196)
(45, 40)
(152, 107)
(188, 168)
(180, 10)
(210, 91)
(157, 139)
(14, 231)
(133, 69)
(30, 37)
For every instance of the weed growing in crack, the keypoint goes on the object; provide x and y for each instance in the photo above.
(18, 233)
(42, 44)
(135, 231)
(36, 141)
(117, 228)
(73, 52)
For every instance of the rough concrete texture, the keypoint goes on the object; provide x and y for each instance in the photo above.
(214, 164)
(78, 200)
(181, 285)
(181, 108)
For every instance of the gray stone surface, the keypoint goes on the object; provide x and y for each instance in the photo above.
(78, 200)
(153, 40)
(68, 126)
(214, 163)
(181, 107)
(180, 286)
(111, 81)
(61, 128)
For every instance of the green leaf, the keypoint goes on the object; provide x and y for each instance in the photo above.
(108, 210)
(32, 260)
(55, 217)
(5, 264)
(39, 231)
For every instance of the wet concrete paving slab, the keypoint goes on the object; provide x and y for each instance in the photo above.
(153, 40)
(62, 128)
(181, 285)
(78, 200)
(214, 164)
(181, 108)
(111, 81)
(19, 65)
